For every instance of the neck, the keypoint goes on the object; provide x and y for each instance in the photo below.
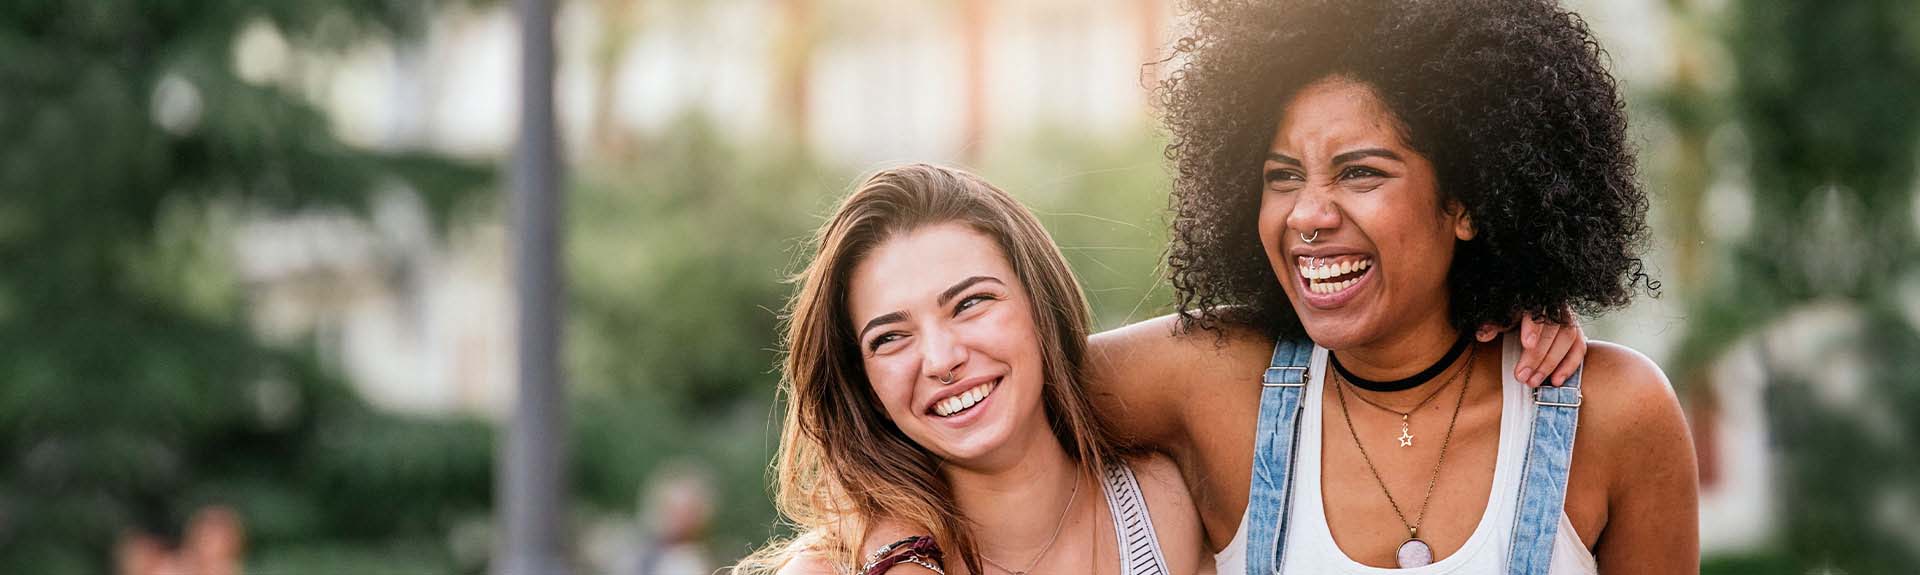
(1401, 354)
(1015, 507)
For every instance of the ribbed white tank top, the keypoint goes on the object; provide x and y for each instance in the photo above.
(1310, 545)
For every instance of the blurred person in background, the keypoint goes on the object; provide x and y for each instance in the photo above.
(679, 509)
(1359, 185)
(214, 543)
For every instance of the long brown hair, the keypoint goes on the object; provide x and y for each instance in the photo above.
(842, 461)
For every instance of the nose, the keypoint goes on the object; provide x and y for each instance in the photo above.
(1313, 211)
(941, 355)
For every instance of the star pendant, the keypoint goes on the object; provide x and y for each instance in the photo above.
(1406, 438)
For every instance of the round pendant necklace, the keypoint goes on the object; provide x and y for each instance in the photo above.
(1414, 552)
(1062, 522)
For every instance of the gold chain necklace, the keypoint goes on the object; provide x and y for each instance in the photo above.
(1406, 417)
(1413, 552)
(1062, 522)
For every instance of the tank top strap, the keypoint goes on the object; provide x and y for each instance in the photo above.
(1543, 484)
(1276, 439)
(1139, 546)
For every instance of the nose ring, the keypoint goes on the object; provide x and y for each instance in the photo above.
(1309, 239)
(948, 380)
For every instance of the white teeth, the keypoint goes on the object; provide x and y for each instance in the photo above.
(1316, 271)
(964, 400)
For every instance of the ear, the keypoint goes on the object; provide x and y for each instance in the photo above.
(1462, 221)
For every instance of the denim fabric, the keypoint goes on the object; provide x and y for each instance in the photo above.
(1543, 481)
(1543, 485)
(1277, 439)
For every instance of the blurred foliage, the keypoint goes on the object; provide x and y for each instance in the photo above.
(1823, 97)
(132, 390)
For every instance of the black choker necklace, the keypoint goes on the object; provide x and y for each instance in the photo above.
(1408, 382)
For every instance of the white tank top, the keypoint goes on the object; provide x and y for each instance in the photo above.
(1310, 545)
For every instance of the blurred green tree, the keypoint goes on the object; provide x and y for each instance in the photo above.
(1823, 95)
(132, 390)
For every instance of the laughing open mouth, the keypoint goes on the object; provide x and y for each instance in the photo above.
(1332, 275)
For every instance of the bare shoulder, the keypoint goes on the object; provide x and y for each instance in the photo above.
(1621, 388)
(1147, 373)
(1629, 410)
(1176, 520)
(808, 564)
(1160, 480)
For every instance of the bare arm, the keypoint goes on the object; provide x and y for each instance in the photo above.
(1153, 379)
(1653, 488)
(1128, 377)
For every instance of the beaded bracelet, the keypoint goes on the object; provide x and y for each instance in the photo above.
(918, 550)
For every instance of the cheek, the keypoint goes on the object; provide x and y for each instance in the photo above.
(1273, 220)
(892, 382)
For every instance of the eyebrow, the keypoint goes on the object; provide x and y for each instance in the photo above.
(945, 296)
(884, 319)
(1340, 159)
(1282, 158)
(964, 284)
(1366, 153)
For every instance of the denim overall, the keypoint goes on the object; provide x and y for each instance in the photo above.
(1543, 484)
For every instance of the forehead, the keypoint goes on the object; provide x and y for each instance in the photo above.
(909, 271)
(1335, 113)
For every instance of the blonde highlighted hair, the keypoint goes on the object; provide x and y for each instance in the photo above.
(842, 462)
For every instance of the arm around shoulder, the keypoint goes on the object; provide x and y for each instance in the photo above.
(1146, 374)
(1653, 477)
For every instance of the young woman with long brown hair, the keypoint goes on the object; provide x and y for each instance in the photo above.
(932, 378)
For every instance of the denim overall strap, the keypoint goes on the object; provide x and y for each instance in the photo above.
(1276, 440)
(1543, 480)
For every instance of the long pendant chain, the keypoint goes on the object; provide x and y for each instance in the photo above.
(1062, 522)
(1414, 552)
(1406, 417)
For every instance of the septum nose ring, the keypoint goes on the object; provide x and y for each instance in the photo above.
(948, 380)
(1309, 239)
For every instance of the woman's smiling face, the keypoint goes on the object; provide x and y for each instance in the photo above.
(949, 343)
(1339, 172)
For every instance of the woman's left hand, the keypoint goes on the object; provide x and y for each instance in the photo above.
(1549, 352)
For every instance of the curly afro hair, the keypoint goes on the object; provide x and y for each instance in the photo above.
(1509, 99)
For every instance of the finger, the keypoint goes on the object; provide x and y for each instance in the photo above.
(1562, 342)
(1529, 331)
(1531, 353)
(1575, 357)
(1487, 333)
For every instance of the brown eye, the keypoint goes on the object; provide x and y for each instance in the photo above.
(970, 302)
(1361, 172)
(882, 339)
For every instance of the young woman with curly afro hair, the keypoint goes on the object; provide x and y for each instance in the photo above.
(1359, 184)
